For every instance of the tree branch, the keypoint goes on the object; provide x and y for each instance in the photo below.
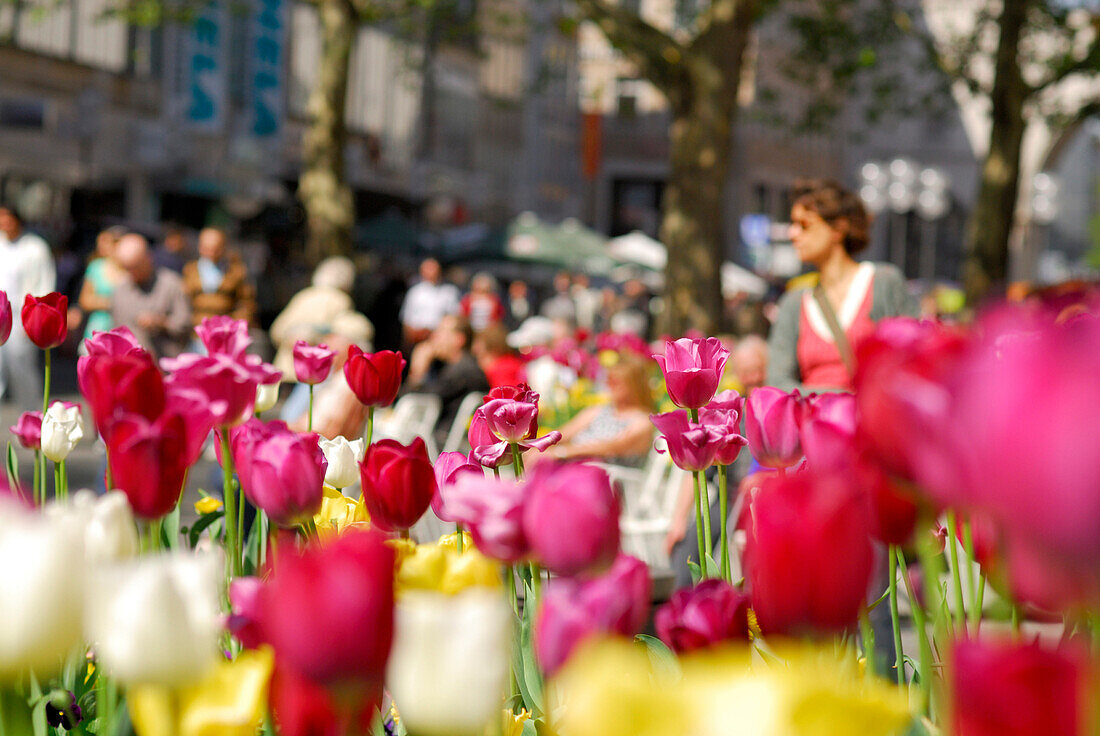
(723, 33)
(656, 53)
(1068, 66)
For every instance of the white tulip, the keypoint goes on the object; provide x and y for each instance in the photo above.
(41, 591)
(156, 620)
(343, 460)
(448, 673)
(267, 395)
(109, 531)
(62, 428)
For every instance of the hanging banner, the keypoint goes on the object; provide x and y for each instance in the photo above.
(265, 87)
(206, 55)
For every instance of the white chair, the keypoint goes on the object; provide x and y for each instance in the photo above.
(648, 500)
(414, 415)
(457, 436)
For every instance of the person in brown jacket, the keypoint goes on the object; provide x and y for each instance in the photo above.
(217, 283)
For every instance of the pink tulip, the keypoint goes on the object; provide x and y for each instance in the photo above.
(190, 405)
(228, 383)
(449, 467)
(479, 436)
(574, 609)
(693, 369)
(808, 557)
(724, 414)
(312, 364)
(493, 512)
(5, 317)
(244, 620)
(711, 613)
(571, 518)
(112, 343)
(28, 429)
(511, 422)
(772, 423)
(692, 446)
(282, 472)
(224, 335)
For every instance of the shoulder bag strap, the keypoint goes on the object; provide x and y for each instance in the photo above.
(841, 339)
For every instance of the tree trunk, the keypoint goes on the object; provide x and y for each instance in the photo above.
(991, 222)
(323, 189)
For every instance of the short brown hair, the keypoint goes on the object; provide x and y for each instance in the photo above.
(835, 204)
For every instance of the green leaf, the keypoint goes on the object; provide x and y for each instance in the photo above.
(170, 529)
(660, 656)
(12, 467)
(714, 570)
(529, 728)
(200, 526)
(696, 571)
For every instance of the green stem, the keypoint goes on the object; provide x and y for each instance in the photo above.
(723, 503)
(309, 421)
(460, 543)
(517, 461)
(154, 533)
(240, 522)
(57, 494)
(510, 573)
(978, 607)
(38, 494)
(46, 385)
(925, 664)
(496, 473)
(867, 634)
(261, 519)
(536, 586)
(956, 573)
(699, 525)
(65, 479)
(232, 561)
(704, 506)
(370, 424)
(895, 619)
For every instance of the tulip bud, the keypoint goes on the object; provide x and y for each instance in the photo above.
(28, 430)
(281, 472)
(492, 509)
(45, 319)
(146, 461)
(430, 676)
(692, 446)
(692, 369)
(157, 620)
(41, 592)
(224, 335)
(398, 483)
(710, 613)
(449, 467)
(571, 518)
(107, 522)
(312, 364)
(374, 377)
(343, 460)
(5, 317)
(267, 395)
(772, 422)
(62, 428)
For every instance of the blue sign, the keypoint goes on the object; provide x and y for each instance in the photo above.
(205, 71)
(755, 229)
(267, 60)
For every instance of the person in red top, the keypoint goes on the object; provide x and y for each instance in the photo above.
(501, 365)
(482, 307)
(829, 226)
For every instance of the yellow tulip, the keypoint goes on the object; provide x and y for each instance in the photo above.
(338, 512)
(450, 541)
(511, 723)
(445, 569)
(230, 701)
(207, 505)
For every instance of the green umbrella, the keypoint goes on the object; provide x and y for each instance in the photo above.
(568, 245)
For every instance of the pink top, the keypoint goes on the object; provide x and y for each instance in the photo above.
(818, 357)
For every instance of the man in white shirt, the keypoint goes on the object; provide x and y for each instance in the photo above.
(26, 267)
(427, 303)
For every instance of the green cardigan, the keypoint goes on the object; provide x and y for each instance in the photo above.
(890, 298)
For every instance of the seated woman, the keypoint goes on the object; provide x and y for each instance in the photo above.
(619, 431)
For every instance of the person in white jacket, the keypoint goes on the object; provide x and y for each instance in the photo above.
(26, 267)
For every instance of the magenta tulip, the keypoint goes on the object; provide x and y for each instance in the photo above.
(228, 383)
(112, 343)
(484, 444)
(571, 518)
(374, 377)
(492, 510)
(28, 429)
(772, 426)
(245, 619)
(115, 385)
(46, 319)
(512, 423)
(808, 557)
(312, 364)
(224, 335)
(708, 614)
(5, 317)
(1005, 688)
(146, 461)
(574, 609)
(398, 483)
(724, 415)
(282, 472)
(692, 446)
(449, 468)
(693, 369)
(348, 585)
(190, 404)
